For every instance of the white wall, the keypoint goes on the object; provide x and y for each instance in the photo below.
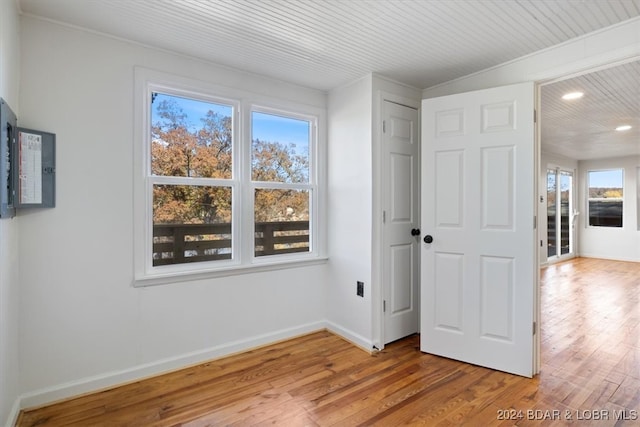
(9, 288)
(350, 210)
(82, 324)
(355, 200)
(611, 242)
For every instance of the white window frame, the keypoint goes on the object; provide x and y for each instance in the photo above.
(311, 186)
(243, 259)
(589, 199)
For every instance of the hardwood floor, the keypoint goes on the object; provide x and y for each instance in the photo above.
(590, 330)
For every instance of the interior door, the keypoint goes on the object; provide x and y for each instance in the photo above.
(401, 273)
(478, 271)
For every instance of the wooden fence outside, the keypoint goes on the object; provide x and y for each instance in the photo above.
(183, 243)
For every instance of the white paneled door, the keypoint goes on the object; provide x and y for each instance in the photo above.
(478, 228)
(401, 272)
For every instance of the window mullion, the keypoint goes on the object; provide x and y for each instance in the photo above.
(178, 180)
(246, 192)
(282, 185)
(182, 213)
(558, 213)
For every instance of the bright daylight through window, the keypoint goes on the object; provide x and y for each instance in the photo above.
(280, 171)
(222, 200)
(605, 198)
(192, 220)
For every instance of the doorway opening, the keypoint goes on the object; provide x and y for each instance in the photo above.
(578, 137)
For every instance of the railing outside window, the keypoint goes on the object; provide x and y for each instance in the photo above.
(182, 243)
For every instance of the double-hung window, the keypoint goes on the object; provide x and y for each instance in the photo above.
(191, 158)
(227, 184)
(605, 197)
(281, 181)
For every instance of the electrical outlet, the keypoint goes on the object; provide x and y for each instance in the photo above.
(360, 289)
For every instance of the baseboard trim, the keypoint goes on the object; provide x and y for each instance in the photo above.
(112, 379)
(72, 389)
(352, 337)
(13, 414)
(599, 256)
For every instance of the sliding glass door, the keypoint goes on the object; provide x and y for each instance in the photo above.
(559, 213)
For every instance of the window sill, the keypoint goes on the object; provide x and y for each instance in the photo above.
(176, 277)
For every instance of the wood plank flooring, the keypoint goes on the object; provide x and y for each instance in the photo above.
(590, 330)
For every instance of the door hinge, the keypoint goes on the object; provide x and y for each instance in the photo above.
(384, 126)
(384, 217)
(535, 222)
(535, 116)
(384, 306)
(534, 328)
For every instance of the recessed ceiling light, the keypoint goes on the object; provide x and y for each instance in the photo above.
(572, 95)
(623, 128)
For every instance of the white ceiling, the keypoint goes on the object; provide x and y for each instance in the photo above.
(585, 128)
(323, 44)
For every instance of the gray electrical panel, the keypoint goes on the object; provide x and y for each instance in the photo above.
(7, 160)
(27, 166)
(35, 170)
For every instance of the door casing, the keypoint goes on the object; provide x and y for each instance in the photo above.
(402, 97)
(401, 215)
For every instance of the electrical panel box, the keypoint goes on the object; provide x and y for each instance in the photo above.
(27, 166)
(7, 160)
(35, 170)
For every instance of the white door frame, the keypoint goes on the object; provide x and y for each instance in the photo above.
(397, 315)
(572, 232)
(377, 288)
(529, 68)
(595, 63)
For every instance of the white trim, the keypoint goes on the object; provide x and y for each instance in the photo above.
(124, 376)
(354, 338)
(14, 413)
(614, 258)
(311, 186)
(589, 199)
(558, 259)
(377, 270)
(229, 270)
(559, 170)
(243, 102)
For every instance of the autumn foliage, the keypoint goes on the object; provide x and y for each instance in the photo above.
(205, 150)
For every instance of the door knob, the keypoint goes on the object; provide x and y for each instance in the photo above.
(428, 239)
(415, 231)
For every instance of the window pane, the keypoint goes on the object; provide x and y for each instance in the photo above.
(552, 248)
(281, 221)
(605, 198)
(279, 148)
(565, 212)
(605, 184)
(190, 138)
(191, 224)
(605, 213)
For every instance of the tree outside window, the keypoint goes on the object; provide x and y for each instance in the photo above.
(194, 183)
(280, 154)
